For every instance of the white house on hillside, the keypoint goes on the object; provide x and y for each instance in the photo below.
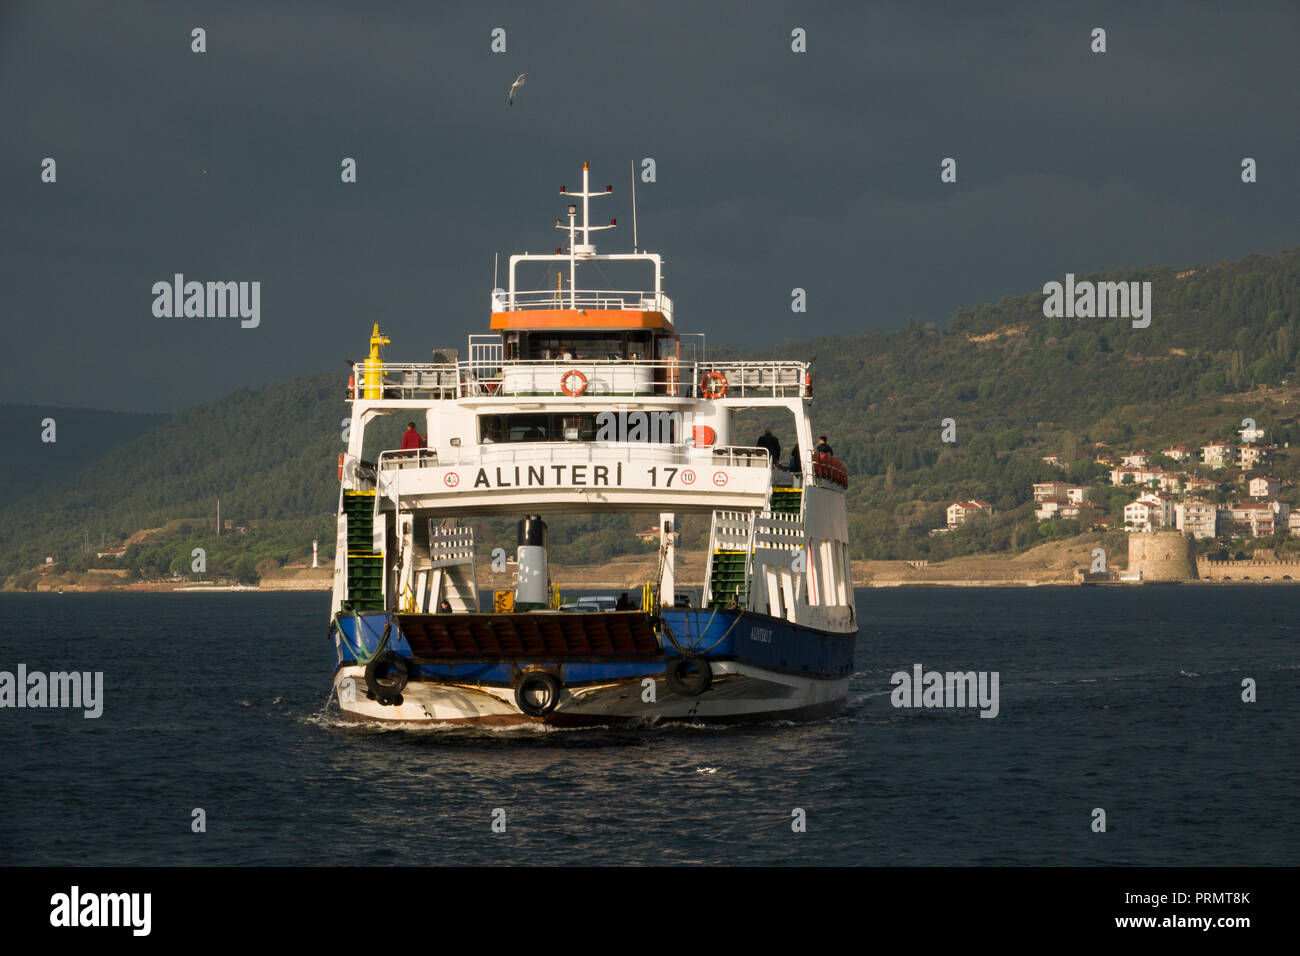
(1050, 489)
(959, 511)
(1248, 456)
(1264, 487)
(1151, 512)
(1197, 518)
(1219, 454)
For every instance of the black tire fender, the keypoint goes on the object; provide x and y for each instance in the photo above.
(537, 693)
(688, 676)
(386, 677)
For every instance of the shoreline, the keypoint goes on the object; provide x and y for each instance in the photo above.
(597, 586)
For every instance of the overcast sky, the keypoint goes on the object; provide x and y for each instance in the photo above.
(774, 169)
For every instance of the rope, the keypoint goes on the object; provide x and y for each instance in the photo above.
(359, 651)
(672, 637)
(693, 650)
(725, 633)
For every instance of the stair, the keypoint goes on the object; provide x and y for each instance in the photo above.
(365, 566)
(786, 501)
(359, 508)
(728, 577)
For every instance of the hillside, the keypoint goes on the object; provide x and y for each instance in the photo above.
(1222, 345)
(81, 436)
(267, 454)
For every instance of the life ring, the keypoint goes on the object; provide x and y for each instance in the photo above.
(710, 390)
(688, 676)
(537, 693)
(564, 383)
(807, 385)
(386, 677)
(340, 466)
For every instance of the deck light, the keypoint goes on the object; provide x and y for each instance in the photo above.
(609, 189)
(455, 443)
(573, 210)
(613, 222)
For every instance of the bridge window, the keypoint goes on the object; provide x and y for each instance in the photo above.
(652, 427)
(594, 346)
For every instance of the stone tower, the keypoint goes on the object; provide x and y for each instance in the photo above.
(1161, 556)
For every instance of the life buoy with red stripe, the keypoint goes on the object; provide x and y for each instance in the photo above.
(340, 466)
(567, 377)
(703, 436)
(807, 385)
(713, 385)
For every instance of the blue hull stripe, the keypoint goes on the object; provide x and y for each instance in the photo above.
(771, 643)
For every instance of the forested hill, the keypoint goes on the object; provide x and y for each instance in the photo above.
(1005, 372)
(1017, 385)
(269, 453)
(43, 443)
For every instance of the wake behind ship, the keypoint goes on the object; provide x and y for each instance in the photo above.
(585, 401)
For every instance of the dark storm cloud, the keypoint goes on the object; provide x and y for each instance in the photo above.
(775, 170)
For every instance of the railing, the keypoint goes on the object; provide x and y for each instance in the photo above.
(408, 458)
(597, 377)
(831, 468)
(775, 379)
(637, 301)
(545, 453)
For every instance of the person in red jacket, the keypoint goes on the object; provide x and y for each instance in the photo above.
(412, 439)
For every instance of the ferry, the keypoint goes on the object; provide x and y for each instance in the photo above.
(583, 399)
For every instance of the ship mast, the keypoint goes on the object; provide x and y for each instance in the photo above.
(581, 249)
(585, 250)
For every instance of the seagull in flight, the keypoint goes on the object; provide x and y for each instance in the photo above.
(516, 85)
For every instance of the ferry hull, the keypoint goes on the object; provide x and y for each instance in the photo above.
(761, 669)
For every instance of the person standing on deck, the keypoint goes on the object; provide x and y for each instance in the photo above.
(771, 443)
(823, 447)
(412, 439)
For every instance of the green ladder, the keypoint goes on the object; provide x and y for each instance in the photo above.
(728, 578)
(787, 501)
(365, 565)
